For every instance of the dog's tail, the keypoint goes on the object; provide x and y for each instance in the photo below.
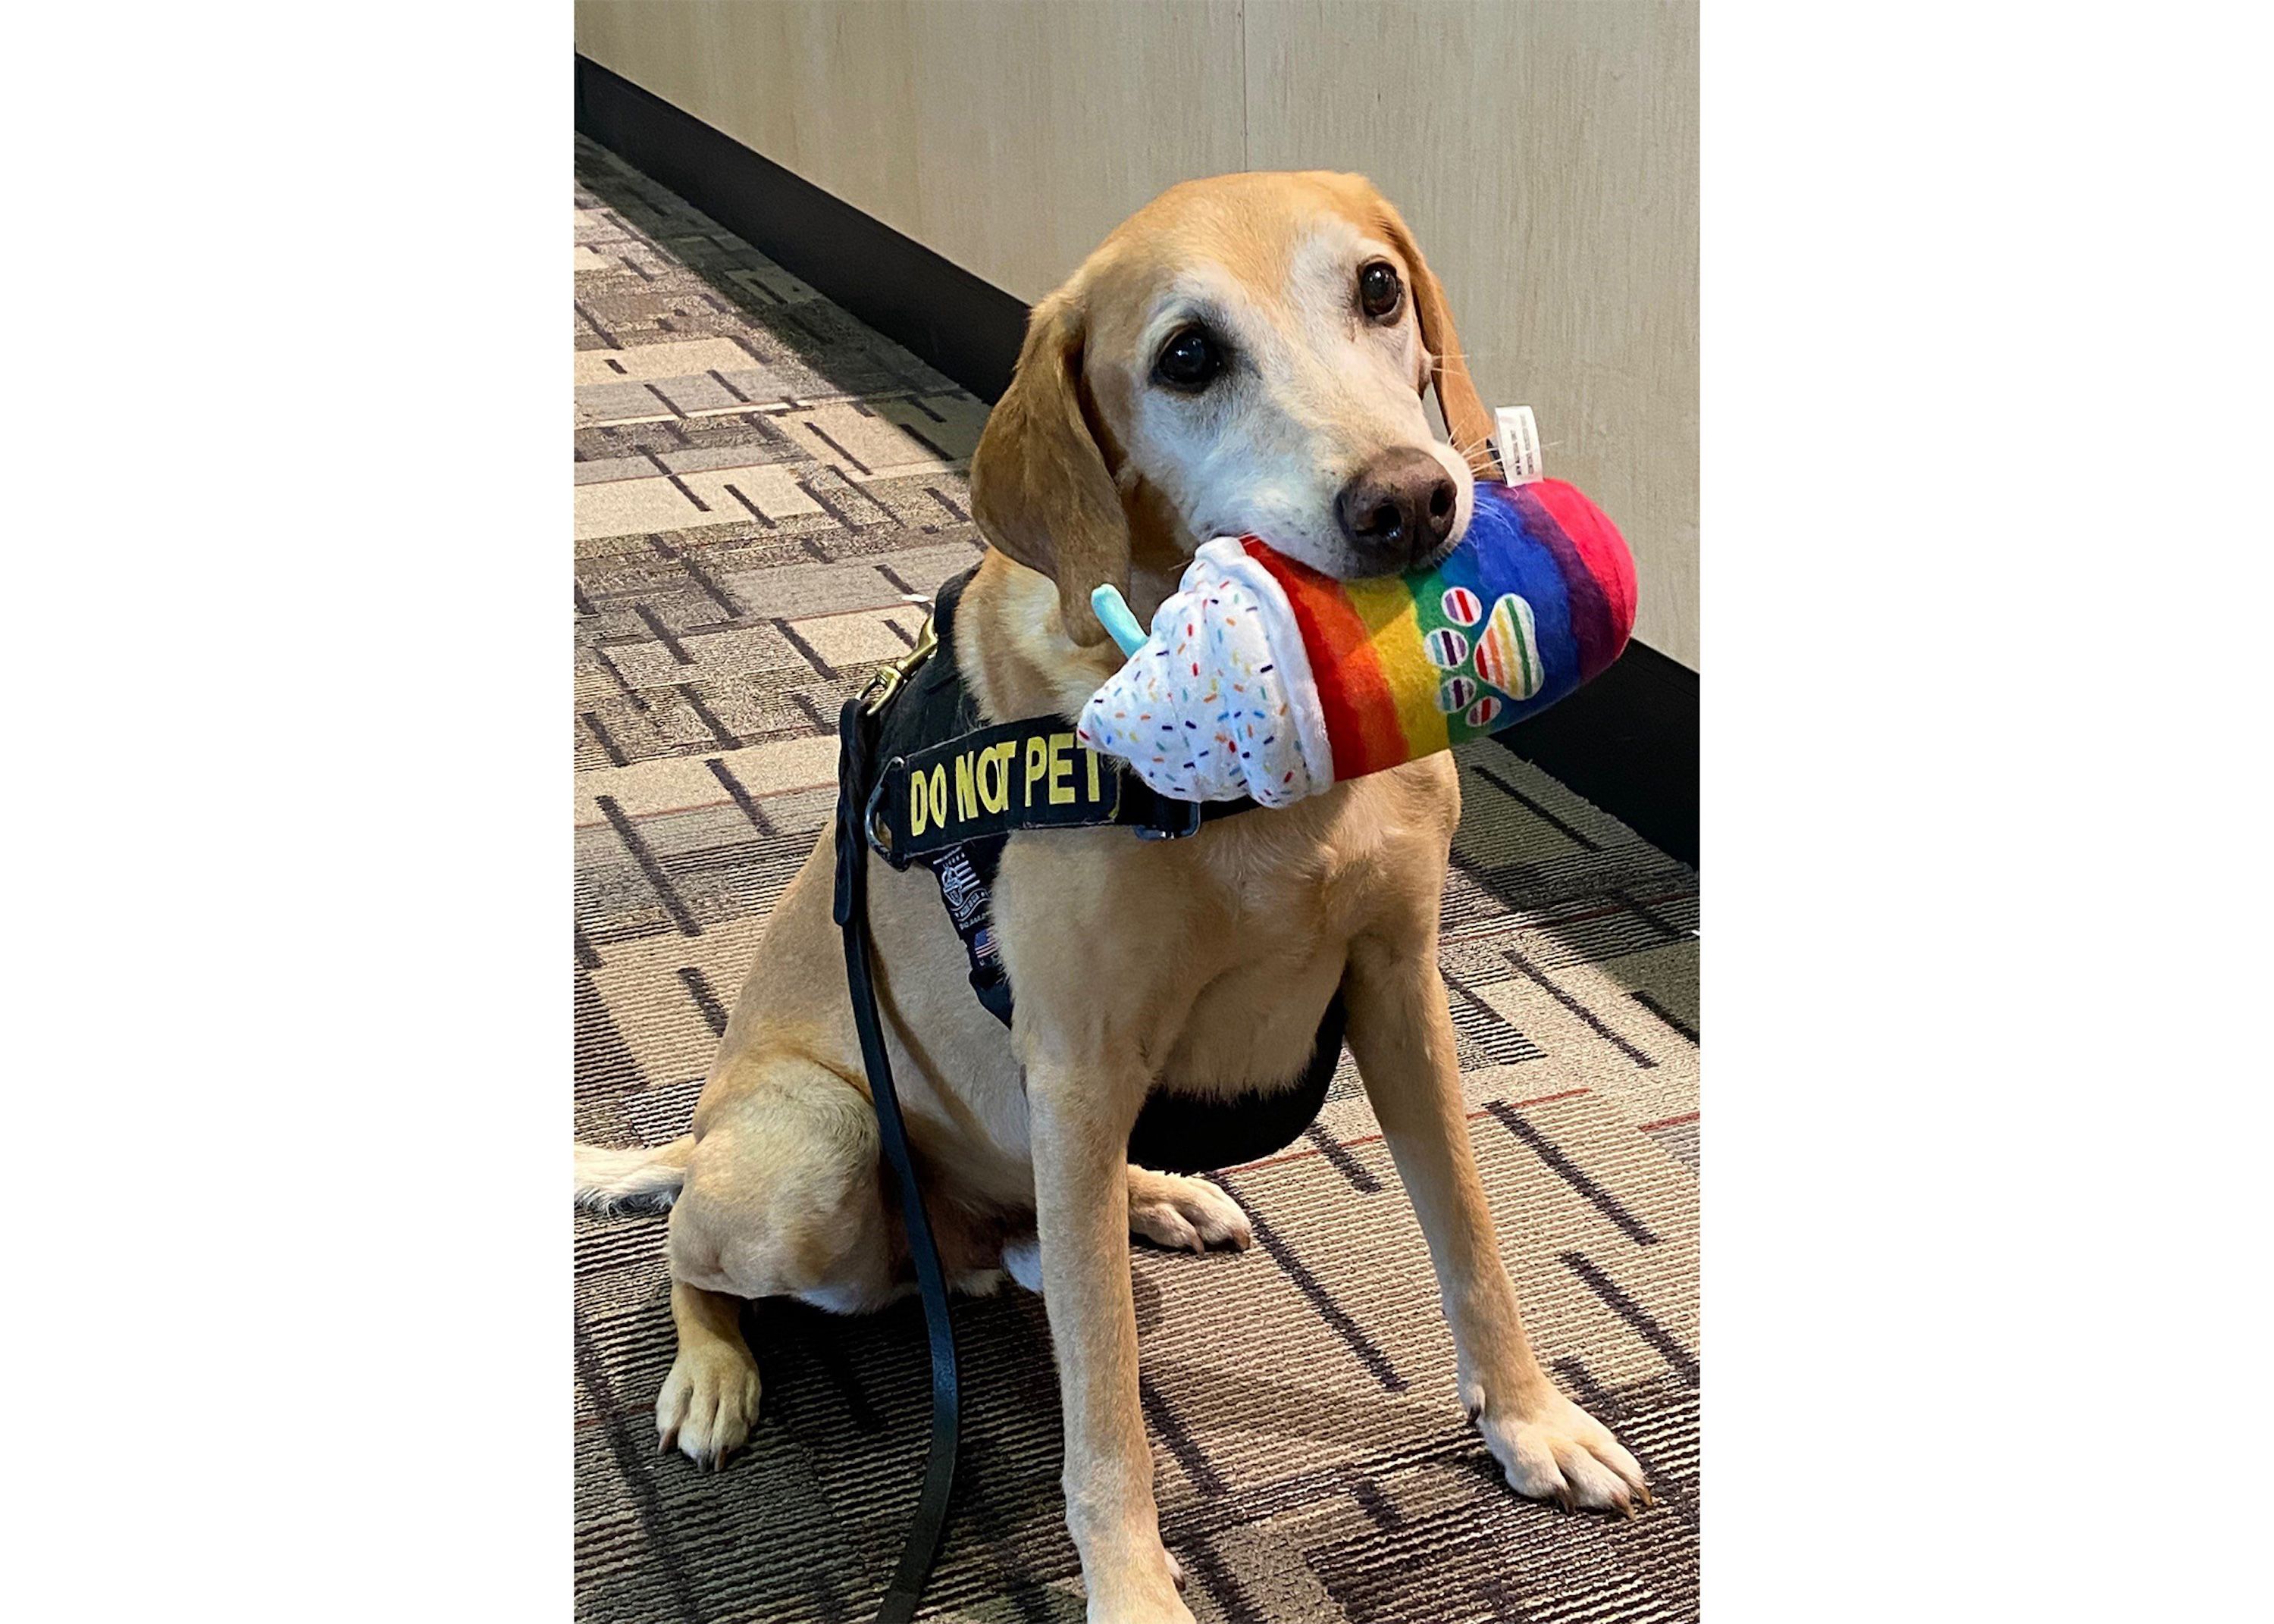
(610, 1181)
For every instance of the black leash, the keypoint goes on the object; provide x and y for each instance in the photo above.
(852, 914)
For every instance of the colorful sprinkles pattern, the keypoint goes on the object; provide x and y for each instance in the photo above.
(1204, 711)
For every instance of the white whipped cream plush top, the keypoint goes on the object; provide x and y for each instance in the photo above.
(1219, 703)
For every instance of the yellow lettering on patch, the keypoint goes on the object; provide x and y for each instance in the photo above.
(918, 804)
(1061, 770)
(1091, 755)
(1038, 761)
(966, 794)
(940, 795)
(995, 786)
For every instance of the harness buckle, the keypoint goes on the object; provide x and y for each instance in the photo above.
(1184, 828)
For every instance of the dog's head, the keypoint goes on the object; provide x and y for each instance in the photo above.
(1243, 354)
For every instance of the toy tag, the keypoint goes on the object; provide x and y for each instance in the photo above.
(1519, 444)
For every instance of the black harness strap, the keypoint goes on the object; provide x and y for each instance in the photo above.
(852, 914)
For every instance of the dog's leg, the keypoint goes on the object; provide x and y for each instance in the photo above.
(1401, 1034)
(1185, 1214)
(709, 1400)
(780, 1200)
(1080, 1110)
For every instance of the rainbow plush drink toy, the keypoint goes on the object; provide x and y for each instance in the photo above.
(1264, 678)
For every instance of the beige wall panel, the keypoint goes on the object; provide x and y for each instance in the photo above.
(1008, 135)
(1547, 158)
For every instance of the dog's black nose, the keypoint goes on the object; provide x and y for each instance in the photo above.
(1398, 507)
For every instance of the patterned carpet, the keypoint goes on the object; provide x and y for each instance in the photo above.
(759, 480)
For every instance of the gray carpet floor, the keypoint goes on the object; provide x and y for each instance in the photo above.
(759, 482)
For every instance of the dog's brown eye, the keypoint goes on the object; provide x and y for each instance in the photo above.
(1190, 360)
(1379, 290)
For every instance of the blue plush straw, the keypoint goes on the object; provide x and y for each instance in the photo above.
(1112, 611)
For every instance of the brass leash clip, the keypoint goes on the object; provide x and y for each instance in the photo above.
(891, 675)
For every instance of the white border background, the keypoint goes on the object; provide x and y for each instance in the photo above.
(1986, 360)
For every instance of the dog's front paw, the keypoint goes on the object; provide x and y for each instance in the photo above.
(1186, 1214)
(1174, 1613)
(1147, 1605)
(1133, 1579)
(708, 1404)
(1552, 1449)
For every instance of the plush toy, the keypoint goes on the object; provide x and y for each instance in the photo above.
(1263, 678)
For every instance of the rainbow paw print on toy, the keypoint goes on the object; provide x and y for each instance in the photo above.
(1263, 678)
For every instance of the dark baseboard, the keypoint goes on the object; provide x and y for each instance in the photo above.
(938, 310)
(1628, 741)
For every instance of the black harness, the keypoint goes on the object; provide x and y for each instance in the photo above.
(922, 777)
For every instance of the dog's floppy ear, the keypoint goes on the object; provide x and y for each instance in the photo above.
(1040, 489)
(1466, 420)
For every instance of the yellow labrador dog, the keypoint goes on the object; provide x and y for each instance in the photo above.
(1246, 353)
